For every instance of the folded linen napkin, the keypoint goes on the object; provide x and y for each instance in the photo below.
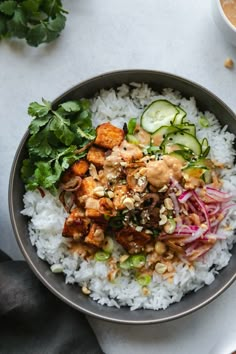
(34, 321)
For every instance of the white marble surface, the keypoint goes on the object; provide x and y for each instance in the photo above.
(101, 35)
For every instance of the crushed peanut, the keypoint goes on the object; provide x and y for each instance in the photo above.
(229, 64)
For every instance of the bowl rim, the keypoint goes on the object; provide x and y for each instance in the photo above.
(34, 267)
(224, 17)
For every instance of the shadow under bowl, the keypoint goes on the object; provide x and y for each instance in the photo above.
(71, 294)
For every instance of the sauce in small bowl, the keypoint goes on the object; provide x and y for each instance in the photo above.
(224, 15)
(229, 8)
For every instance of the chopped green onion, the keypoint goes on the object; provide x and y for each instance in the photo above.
(144, 279)
(102, 256)
(132, 139)
(138, 260)
(203, 122)
(57, 268)
(108, 245)
(131, 126)
(127, 264)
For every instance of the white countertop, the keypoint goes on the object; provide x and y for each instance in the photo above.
(173, 36)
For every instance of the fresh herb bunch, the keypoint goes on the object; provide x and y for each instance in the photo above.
(38, 21)
(56, 136)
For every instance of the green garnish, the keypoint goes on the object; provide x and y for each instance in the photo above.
(138, 260)
(108, 245)
(127, 264)
(144, 279)
(102, 256)
(55, 137)
(203, 121)
(35, 20)
(131, 126)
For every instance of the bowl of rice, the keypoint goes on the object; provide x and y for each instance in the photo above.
(122, 196)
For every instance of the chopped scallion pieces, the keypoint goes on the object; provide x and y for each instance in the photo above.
(108, 245)
(127, 264)
(138, 260)
(57, 268)
(203, 122)
(131, 126)
(144, 279)
(102, 256)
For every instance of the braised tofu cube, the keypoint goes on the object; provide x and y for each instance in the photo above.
(95, 236)
(132, 240)
(87, 187)
(93, 214)
(96, 156)
(80, 167)
(76, 225)
(120, 191)
(108, 136)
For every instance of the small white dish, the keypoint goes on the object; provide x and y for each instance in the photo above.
(227, 29)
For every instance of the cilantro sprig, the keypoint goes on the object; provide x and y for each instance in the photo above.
(38, 21)
(55, 136)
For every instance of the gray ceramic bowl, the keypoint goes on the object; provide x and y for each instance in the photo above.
(72, 295)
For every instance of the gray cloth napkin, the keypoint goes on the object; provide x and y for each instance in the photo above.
(33, 321)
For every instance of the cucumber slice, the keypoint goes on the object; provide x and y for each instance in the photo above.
(177, 154)
(205, 147)
(164, 131)
(157, 114)
(169, 148)
(179, 118)
(189, 141)
(188, 128)
(132, 139)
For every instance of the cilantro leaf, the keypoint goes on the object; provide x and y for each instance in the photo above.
(71, 106)
(37, 123)
(58, 125)
(55, 137)
(88, 133)
(31, 7)
(17, 26)
(8, 7)
(38, 144)
(57, 24)
(39, 110)
(36, 35)
(27, 170)
(38, 21)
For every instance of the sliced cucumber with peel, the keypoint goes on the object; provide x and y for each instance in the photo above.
(179, 118)
(187, 140)
(157, 114)
(188, 128)
(165, 130)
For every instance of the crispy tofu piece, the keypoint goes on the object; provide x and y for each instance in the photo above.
(119, 193)
(96, 156)
(76, 225)
(95, 236)
(80, 167)
(133, 241)
(93, 214)
(108, 136)
(87, 186)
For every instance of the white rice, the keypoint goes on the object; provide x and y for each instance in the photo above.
(47, 215)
